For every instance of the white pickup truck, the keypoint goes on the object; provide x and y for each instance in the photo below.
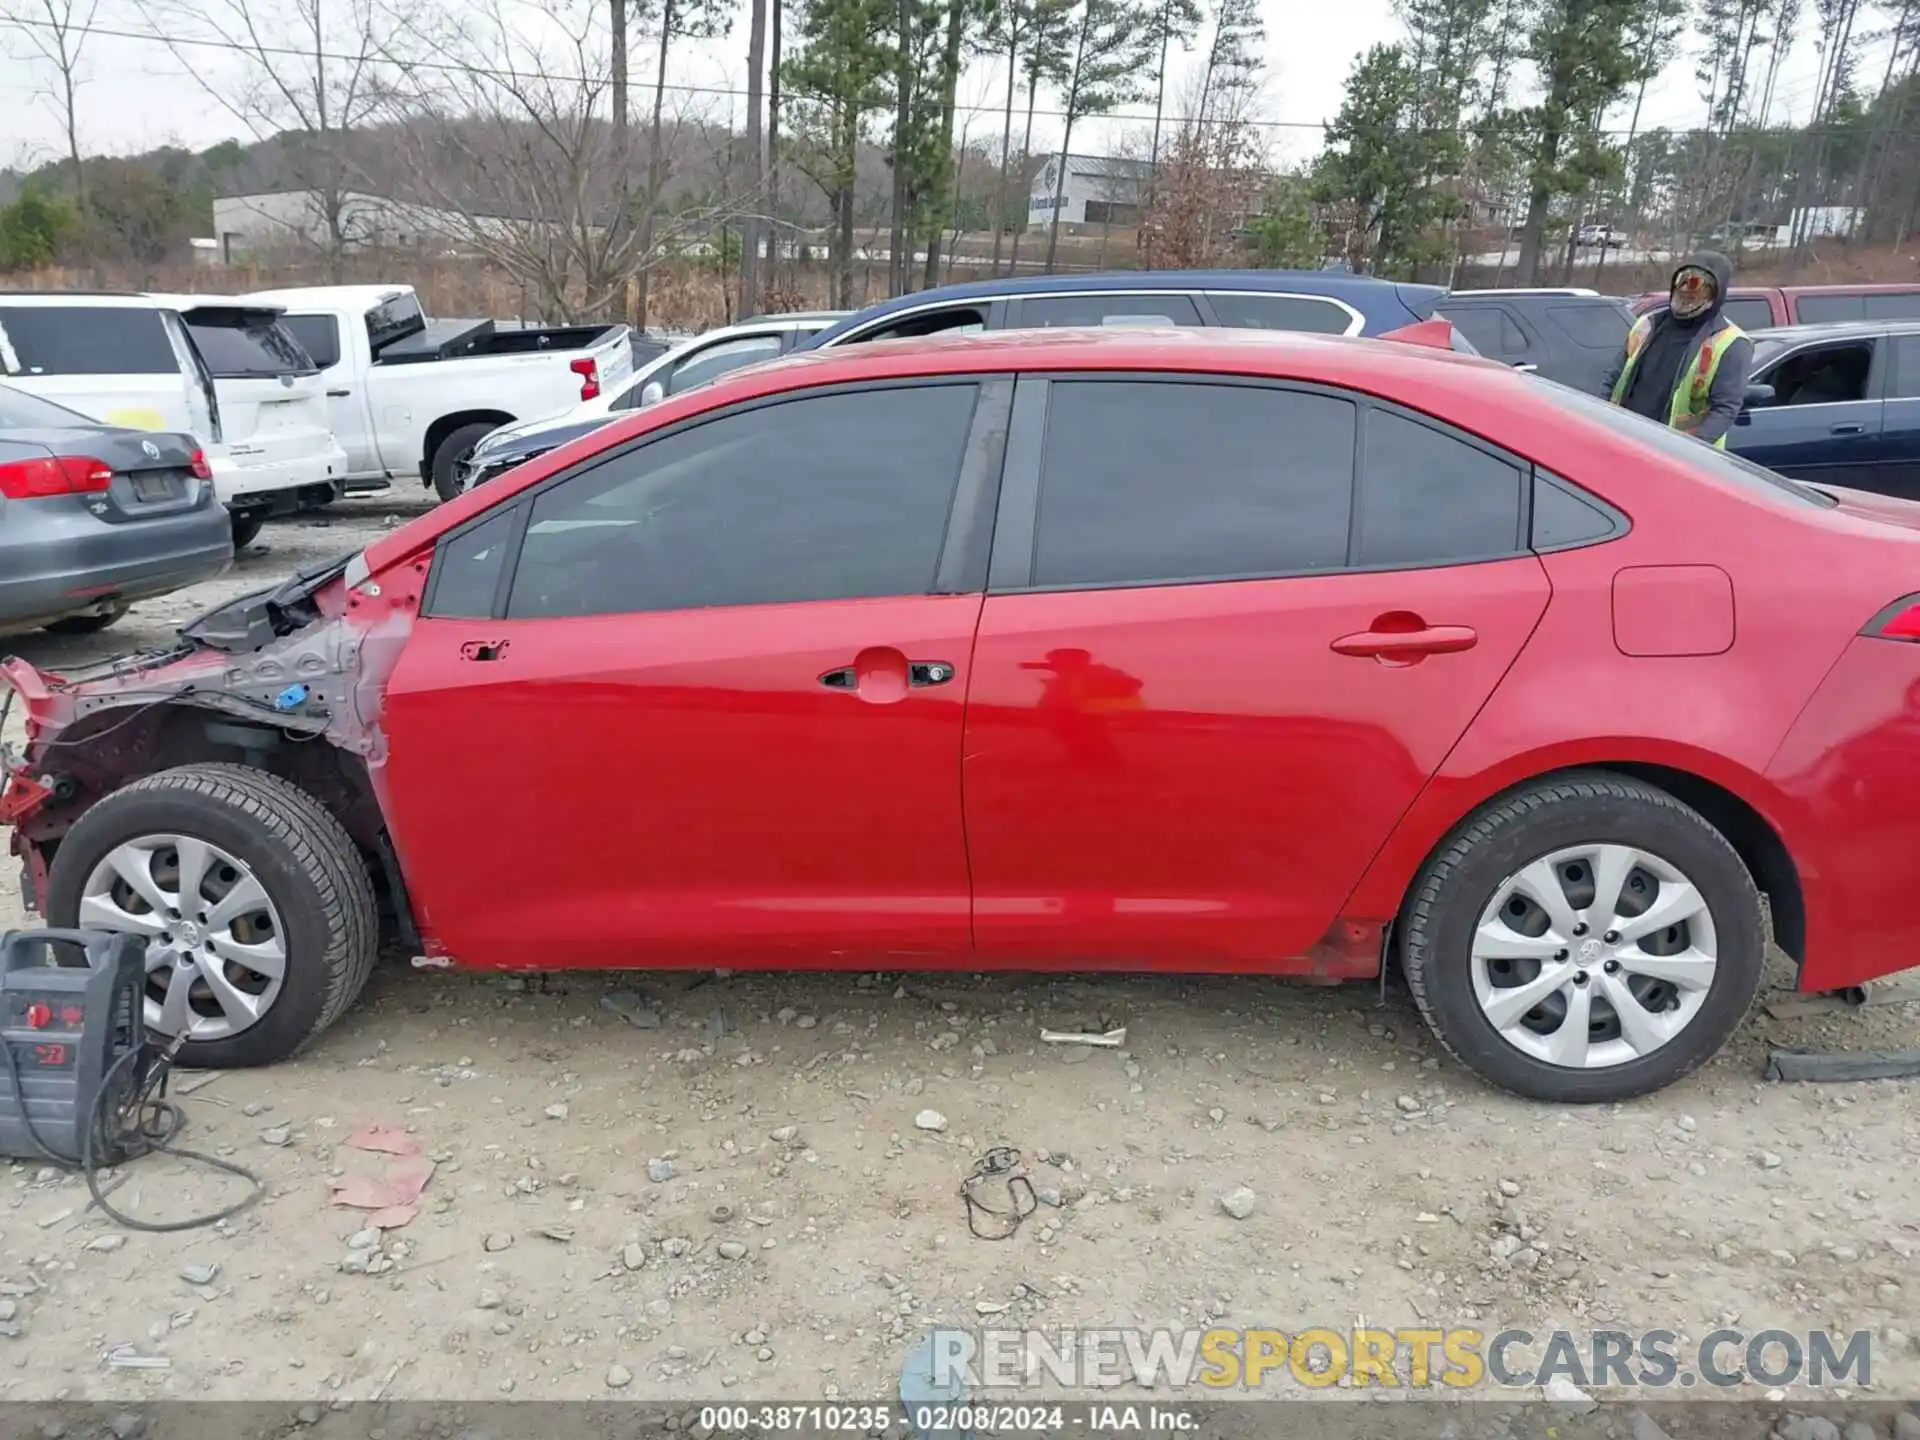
(409, 397)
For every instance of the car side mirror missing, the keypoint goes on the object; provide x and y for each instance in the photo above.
(652, 393)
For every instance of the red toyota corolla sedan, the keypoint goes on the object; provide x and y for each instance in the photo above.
(1203, 651)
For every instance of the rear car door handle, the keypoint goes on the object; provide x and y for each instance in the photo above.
(1849, 427)
(1407, 644)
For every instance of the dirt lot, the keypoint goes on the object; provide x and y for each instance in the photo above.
(732, 1198)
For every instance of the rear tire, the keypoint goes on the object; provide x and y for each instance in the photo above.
(316, 886)
(1470, 921)
(452, 450)
(246, 528)
(90, 624)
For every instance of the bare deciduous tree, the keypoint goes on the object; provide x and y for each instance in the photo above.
(54, 32)
(510, 149)
(308, 77)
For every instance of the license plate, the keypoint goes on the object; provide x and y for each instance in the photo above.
(151, 487)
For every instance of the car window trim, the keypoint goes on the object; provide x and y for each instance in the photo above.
(1356, 322)
(1017, 534)
(1539, 475)
(982, 467)
(516, 528)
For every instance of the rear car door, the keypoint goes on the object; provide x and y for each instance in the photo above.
(1899, 472)
(1824, 421)
(707, 692)
(1231, 630)
(114, 363)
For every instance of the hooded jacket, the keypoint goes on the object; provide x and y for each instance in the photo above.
(1673, 345)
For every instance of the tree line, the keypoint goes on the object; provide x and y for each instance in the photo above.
(554, 139)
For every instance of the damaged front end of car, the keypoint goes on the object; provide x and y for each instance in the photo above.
(288, 680)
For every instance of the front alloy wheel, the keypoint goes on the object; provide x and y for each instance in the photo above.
(255, 904)
(216, 957)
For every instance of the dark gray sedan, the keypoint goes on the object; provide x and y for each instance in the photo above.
(94, 517)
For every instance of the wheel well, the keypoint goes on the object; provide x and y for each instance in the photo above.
(446, 425)
(177, 734)
(1756, 842)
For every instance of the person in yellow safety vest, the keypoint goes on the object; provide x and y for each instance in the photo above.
(1686, 364)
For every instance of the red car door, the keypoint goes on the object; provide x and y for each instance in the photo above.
(714, 710)
(1219, 657)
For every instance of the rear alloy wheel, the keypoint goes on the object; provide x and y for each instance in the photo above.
(1588, 938)
(257, 909)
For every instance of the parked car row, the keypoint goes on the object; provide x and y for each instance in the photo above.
(1180, 651)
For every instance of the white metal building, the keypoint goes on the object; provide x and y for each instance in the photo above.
(1099, 190)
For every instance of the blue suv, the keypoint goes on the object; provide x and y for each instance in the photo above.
(1321, 301)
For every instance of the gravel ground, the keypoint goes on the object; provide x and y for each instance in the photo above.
(683, 1186)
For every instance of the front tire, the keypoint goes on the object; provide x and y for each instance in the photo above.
(1587, 938)
(451, 451)
(246, 528)
(257, 908)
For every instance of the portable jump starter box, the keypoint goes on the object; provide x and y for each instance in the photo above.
(76, 1050)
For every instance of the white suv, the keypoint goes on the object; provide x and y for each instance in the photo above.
(225, 372)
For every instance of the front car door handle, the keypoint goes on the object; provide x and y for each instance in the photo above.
(1847, 427)
(1408, 644)
(338, 394)
(929, 672)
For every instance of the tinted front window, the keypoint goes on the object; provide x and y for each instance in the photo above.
(21, 411)
(1156, 481)
(1716, 464)
(236, 346)
(831, 497)
(1427, 498)
(1487, 327)
(1247, 311)
(318, 335)
(84, 340)
(1058, 310)
(1749, 314)
(1826, 375)
(716, 360)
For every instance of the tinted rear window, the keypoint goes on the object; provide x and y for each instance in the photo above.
(240, 345)
(1720, 464)
(1104, 309)
(1749, 314)
(84, 340)
(1596, 325)
(1813, 309)
(1246, 311)
(1904, 305)
(318, 335)
(1146, 481)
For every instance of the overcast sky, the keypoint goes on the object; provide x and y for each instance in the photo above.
(137, 95)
